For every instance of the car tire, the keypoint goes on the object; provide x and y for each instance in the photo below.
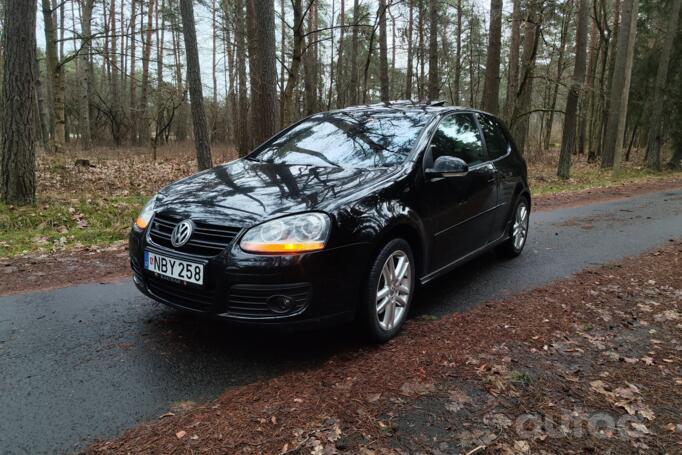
(518, 230)
(386, 304)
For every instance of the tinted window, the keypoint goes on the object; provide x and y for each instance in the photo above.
(458, 136)
(347, 139)
(495, 140)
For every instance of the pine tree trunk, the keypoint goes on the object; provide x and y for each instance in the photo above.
(354, 55)
(214, 73)
(420, 51)
(523, 103)
(513, 72)
(43, 116)
(341, 81)
(84, 76)
(17, 133)
(570, 118)
(230, 74)
(330, 93)
(458, 55)
(588, 98)
(410, 51)
(655, 137)
(183, 114)
(242, 99)
(610, 66)
(393, 56)
(434, 77)
(384, 89)
(620, 87)
(559, 75)
(134, 115)
(144, 121)
(295, 66)
(264, 72)
(309, 69)
(202, 139)
(114, 87)
(491, 84)
(56, 72)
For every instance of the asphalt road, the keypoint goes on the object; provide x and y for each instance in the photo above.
(89, 361)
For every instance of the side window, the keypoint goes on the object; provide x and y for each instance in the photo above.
(495, 139)
(458, 136)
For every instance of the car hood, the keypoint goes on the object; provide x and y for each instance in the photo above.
(246, 192)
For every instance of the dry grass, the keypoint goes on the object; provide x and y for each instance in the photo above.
(543, 180)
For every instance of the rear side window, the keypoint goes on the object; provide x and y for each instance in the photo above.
(458, 136)
(495, 140)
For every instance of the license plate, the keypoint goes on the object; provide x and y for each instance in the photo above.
(177, 269)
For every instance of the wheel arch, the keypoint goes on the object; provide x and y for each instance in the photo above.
(410, 231)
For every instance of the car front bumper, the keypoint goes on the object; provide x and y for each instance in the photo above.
(319, 288)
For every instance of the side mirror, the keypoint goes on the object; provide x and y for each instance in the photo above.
(448, 166)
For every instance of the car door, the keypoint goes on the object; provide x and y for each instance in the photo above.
(499, 149)
(461, 208)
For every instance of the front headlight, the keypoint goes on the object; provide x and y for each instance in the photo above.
(290, 234)
(145, 215)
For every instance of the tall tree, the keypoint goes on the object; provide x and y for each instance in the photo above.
(420, 50)
(655, 138)
(310, 63)
(134, 114)
(609, 61)
(513, 72)
(523, 103)
(18, 83)
(264, 72)
(434, 77)
(354, 53)
(86, 7)
(491, 84)
(183, 112)
(458, 55)
(144, 133)
(56, 72)
(202, 140)
(340, 65)
(296, 58)
(588, 99)
(410, 49)
(384, 89)
(570, 118)
(242, 99)
(620, 87)
(114, 80)
(563, 39)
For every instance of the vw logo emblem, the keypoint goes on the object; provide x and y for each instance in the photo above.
(181, 233)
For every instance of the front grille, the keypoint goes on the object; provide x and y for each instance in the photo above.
(251, 300)
(187, 296)
(207, 239)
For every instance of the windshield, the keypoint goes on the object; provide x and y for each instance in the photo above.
(362, 139)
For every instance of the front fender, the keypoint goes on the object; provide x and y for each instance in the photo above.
(376, 220)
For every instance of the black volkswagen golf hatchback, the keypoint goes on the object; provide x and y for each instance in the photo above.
(339, 217)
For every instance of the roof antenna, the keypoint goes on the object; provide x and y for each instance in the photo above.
(438, 103)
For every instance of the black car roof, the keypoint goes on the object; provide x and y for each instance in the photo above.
(429, 108)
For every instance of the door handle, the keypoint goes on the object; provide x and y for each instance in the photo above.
(491, 168)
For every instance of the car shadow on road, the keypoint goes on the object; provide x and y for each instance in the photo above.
(189, 334)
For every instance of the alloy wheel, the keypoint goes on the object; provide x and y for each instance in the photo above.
(520, 228)
(393, 290)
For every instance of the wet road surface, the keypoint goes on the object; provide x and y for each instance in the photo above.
(89, 361)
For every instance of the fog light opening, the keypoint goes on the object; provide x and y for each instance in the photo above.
(280, 304)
